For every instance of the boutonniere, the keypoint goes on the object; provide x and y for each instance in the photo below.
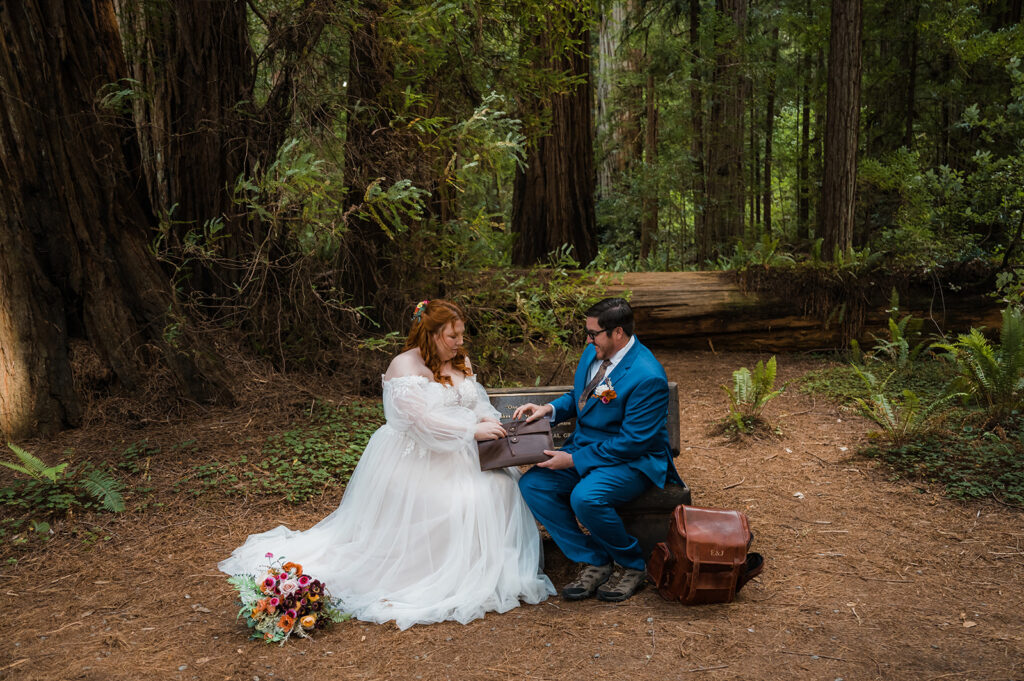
(605, 392)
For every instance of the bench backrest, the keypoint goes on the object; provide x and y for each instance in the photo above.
(506, 400)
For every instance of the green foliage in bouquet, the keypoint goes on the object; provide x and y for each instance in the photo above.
(283, 602)
(994, 374)
(750, 393)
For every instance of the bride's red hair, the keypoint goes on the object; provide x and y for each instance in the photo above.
(432, 318)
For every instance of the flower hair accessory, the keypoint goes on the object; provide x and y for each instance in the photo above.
(417, 314)
(605, 392)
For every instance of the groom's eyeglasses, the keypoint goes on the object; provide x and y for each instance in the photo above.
(592, 335)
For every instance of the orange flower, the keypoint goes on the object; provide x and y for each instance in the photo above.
(261, 605)
(313, 598)
(286, 623)
(309, 621)
(288, 567)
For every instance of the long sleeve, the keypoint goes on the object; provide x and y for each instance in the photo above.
(483, 408)
(413, 405)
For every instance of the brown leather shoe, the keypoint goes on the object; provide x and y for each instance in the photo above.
(587, 580)
(623, 583)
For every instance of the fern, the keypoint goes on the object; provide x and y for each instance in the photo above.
(750, 393)
(992, 374)
(57, 489)
(904, 345)
(105, 489)
(900, 420)
(33, 466)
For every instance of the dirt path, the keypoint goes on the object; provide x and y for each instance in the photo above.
(865, 578)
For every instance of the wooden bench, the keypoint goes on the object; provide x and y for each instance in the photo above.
(647, 516)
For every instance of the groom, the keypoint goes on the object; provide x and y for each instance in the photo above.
(619, 448)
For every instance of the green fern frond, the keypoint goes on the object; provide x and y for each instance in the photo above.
(105, 489)
(33, 466)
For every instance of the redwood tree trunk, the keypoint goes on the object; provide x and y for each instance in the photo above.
(74, 258)
(726, 194)
(697, 146)
(553, 197)
(769, 131)
(842, 127)
(649, 221)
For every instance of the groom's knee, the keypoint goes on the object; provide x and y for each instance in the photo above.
(586, 502)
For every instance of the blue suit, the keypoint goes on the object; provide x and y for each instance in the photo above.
(619, 449)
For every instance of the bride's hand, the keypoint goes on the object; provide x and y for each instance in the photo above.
(489, 430)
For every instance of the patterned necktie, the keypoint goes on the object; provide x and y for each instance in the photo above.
(598, 377)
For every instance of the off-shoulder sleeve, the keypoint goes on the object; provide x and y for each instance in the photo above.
(413, 406)
(483, 406)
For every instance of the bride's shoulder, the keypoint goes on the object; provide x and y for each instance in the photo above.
(409, 364)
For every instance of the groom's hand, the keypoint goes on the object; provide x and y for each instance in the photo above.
(532, 411)
(559, 460)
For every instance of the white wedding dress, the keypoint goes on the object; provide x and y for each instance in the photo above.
(421, 535)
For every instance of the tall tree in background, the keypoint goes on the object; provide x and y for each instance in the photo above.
(842, 127)
(553, 196)
(697, 131)
(74, 257)
(769, 128)
(617, 124)
(726, 197)
(199, 125)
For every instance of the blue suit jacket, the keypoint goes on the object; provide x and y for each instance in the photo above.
(630, 429)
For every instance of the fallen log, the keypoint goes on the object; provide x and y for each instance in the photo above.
(711, 310)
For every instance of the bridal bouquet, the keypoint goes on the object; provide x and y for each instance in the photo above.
(284, 602)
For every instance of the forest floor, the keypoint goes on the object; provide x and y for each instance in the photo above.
(865, 577)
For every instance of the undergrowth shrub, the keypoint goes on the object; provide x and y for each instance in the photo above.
(901, 419)
(969, 463)
(52, 490)
(303, 462)
(992, 373)
(749, 394)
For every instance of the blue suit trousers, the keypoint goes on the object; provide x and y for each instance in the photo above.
(559, 497)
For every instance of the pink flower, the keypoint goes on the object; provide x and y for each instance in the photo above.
(289, 587)
(269, 555)
(292, 612)
(304, 580)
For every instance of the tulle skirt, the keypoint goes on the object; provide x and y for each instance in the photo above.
(419, 537)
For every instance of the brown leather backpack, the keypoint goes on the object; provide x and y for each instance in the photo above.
(705, 557)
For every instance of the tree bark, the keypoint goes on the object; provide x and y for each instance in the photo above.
(198, 124)
(769, 130)
(610, 124)
(842, 127)
(553, 197)
(726, 195)
(803, 217)
(649, 221)
(74, 258)
(697, 144)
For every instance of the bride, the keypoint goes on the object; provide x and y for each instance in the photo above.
(422, 534)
